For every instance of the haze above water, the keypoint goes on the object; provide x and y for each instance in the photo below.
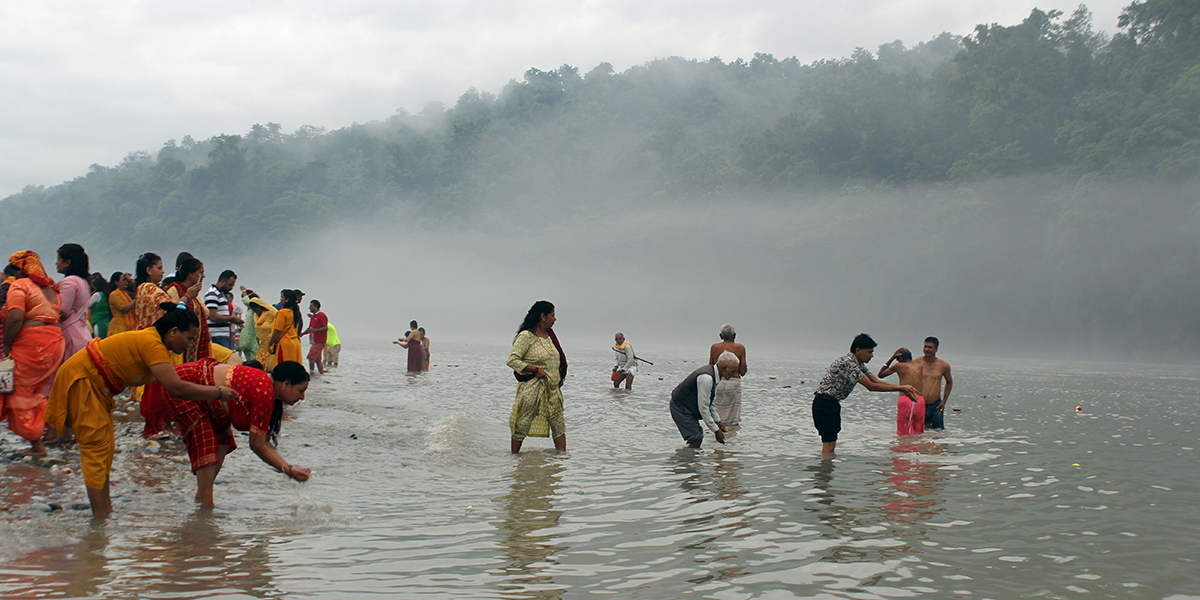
(800, 273)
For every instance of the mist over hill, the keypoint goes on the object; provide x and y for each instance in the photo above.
(1024, 186)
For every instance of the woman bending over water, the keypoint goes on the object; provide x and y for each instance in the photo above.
(205, 424)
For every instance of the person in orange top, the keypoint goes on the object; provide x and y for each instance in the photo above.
(285, 342)
(148, 296)
(185, 290)
(121, 304)
(29, 307)
(82, 396)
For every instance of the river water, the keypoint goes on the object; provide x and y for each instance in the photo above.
(414, 493)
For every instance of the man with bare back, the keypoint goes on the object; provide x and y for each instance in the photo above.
(934, 370)
(729, 391)
(910, 411)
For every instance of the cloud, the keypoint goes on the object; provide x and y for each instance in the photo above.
(90, 82)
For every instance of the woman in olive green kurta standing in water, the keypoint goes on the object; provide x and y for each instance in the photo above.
(539, 365)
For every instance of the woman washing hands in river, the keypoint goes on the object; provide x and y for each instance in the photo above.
(205, 424)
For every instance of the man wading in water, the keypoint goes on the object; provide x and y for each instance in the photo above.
(934, 369)
(839, 381)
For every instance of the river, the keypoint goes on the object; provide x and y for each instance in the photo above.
(414, 493)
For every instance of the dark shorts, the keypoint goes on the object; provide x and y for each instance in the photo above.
(827, 416)
(934, 419)
(223, 341)
(689, 426)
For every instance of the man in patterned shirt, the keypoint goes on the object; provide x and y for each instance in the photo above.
(837, 384)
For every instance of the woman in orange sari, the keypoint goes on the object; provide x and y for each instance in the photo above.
(120, 304)
(185, 290)
(285, 342)
(148, 296)
(31, 305)
(82, 397)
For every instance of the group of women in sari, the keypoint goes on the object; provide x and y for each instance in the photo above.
(67, 379)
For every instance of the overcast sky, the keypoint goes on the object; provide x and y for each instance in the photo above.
(90, 81)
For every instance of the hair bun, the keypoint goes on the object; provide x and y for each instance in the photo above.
(168, 306)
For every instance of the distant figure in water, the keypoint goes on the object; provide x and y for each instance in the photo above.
(257, 408)
(412, 341)
(424, 349)
(837, 384)
(693, 400)
(333, 347)
(910, 410)
(729, 391)
(539, 364)
(626, 366)
(318, 325)
(934, 370)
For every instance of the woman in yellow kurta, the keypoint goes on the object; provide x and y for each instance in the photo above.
(539, 365)
(285, 341)
(121, 304)
(264, 327)
(82, 396)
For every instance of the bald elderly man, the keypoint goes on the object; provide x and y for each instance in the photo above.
(693, 399)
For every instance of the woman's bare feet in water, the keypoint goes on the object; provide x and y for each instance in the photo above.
(36, 449)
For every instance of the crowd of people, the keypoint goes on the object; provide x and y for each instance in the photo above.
(194, 359)
(185, 353)
(712, 394)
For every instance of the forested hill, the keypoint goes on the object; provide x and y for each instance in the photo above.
(1048, 96)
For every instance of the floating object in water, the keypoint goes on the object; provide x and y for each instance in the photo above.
(1078, 408)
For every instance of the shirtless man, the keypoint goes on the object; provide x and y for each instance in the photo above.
(933, 370)
(910, 411)
(729, 391)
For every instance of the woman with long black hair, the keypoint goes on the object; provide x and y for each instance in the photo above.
(285, 339)
(73, 293)
(148, 297)
(205, 424)
(539, 364)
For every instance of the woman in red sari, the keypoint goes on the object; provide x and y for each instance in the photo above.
(186, 290)
(30, 307)
(205, 424)
(416, 349)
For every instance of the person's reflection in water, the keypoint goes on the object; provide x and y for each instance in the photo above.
(78, 570)
(837, 510)
(708, 482)
(916, 485)
(198, 557)
(530, 508)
